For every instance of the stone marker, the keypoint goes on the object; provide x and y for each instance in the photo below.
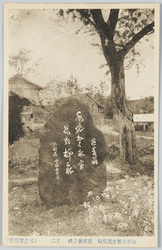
(71, 155)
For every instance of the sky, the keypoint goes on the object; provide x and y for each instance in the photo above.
(64, 53)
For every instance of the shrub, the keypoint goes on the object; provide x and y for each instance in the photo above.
(16, 105)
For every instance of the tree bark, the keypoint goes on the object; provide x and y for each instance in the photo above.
(122, 116)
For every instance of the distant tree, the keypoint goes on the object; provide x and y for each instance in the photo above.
(97, 89)
(22, 63)
(100, 93)
(51, 92)
(102, 87)
(55, 90)
(142, 106)
(72, 87)
(147, 105)
(91, 88)
(16, 105)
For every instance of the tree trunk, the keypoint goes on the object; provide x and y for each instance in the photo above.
(122, 116)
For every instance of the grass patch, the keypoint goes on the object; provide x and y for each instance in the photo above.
(124, 209)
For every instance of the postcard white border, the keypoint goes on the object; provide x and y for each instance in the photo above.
(46, 241)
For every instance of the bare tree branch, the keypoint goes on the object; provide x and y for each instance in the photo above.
(137, 37)
(83, 13)
(112, 21)
(100, 24)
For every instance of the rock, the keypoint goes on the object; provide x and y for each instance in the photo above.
(71, 156)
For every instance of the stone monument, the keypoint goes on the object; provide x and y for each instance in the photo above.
(71, 156)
